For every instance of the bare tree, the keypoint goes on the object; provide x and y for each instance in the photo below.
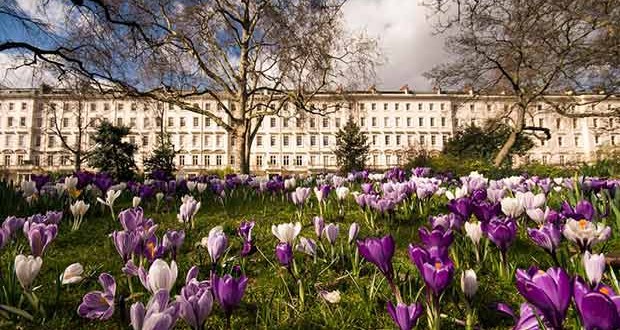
(531, 50)
(71, 123)
(253, 57)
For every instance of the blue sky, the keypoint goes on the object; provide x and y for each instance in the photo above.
(401, 27)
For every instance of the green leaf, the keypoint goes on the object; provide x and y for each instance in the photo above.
(17, 311)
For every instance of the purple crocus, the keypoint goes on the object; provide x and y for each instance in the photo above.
(99, 305)
(501, 231)
(151, 248)
(462, 207)
(547, 237)
(132, 218)
(548, 291)
(172, 241)
(40, 236)
(379, 251)
(583, 210)
(404, 316)
(160, 313)
(245, 232)
(436, 241)
(599, 308)
(319, 224)
(284, 254)
(528, 317)
(437, 272)
(195, 300)
(229, 291)
(13, 224)
(125, 243)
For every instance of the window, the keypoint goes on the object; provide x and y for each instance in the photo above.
(325, 140)
(37, 141)
(119, 121)
(38, 122)
(312, 140)
(170, 121)
(386, 122)
(408, 106)
(298, 122)
(106, 107)
(147, 122)
(272, 122)
(408, 121)
(398, 138)
(420, 106)
(20, 140)
(432, 122)
(218, 141)
(285, 160)
(50, 160)
(420, 121)
(325, 122)
(259, 160)
(273, 160)
(207, 122)
(134, 107)
(397, 122)
(196, 121)
(596, 139)
(337, 123)
(373, 121)
(11, 105)
(36, 160)
(120, 106)
(284, 122)
(218, 160)
(558, 123)
(182, 121)
(51, 142)
(362, 121)
(312, 122)
(541, 122)
(444, 139)
(559, 141)
(272, 141)
(299, 140)
(22, 121)
(430, 106)
(561, 159)
(374, 140)
(207, 140)
(396, 106)
(433, 140)
(7, 160)
(373, 106)
(298, 160)
(145, 141)
(132, 122)
(207, 160)
(613, 140)
(576, 141)
(595, 122)
(194, 160)
(157, 121)
(387, 140)
(443, 121)
(285, 140)
(441, 106)
(194, 140)
(259, 140)
(422, 140)
(9, 121)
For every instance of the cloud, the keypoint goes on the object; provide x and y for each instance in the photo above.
(405, 37)
(14, 76)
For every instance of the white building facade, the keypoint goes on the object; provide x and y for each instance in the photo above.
(394, 121)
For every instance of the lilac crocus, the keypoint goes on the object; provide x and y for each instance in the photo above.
(245, 232)
(160, 313)
(548, 291)
(99, 305)
(40, 236)
(300, 195)
(151, 248)
(404, 316)
(599, 308)
(131, 218)
(125, 243)
(318, 224)
(331, 233)
(13, 224)
(229, 291)
(284, 254)
(547, 237)
(354, 229)
(501, 231)
(172, 241)
(321, 193)
(195, 300)
(379, 251)
(436, 272)
(217, 242)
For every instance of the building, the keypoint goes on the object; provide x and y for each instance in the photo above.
(395, 121)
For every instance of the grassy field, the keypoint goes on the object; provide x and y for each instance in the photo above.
(272, 299)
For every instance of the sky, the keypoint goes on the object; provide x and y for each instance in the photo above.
(401, 27)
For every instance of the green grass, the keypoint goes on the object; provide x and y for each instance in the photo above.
(267, 304)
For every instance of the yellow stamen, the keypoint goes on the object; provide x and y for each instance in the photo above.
(604, 291)
(583, 223)
(150, 246)
(438, 265)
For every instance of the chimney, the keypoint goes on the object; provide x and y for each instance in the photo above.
(372, 89)
(405, 89)
(436, 89)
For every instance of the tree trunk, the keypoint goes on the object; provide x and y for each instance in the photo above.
(78, 161)
(512, 138)
(241, 150)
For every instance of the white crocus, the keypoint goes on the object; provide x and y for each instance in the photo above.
(512, 207)
(290, 184)
(537, 214)
(27, 269)
(201, 187)
(78, 209)
(585, 233)
(286, 232)
(161, 275)
(111, 196)
(135, 202)
(191, 186)
(469, 283)
(342, 193)
(29, 188)
(595, 267)
(71, 182)
(72, 274)
(531, 201)
(332, 297)
(473, 231)
(159, 196)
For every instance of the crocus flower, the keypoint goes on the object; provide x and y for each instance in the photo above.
(307, 246)
(79, 208)
(188, 210)
(473, 230)
(130, 269)
(135, 201)
(131, 219)
(529, 200)
(598, 308)
(437, 272)
(72, 274)
(300, 195)
(286, 232)
(379, 251)
(548, 291)
(172, 241)
(99, 305)
(195, 300)
(110, 198)
(547, 236)
(502, 232)
(331, 233)
(160, 275)
(40, 236)
(284, 254)
(332, 297)
(585, 233)
(583, 210)
(245, 230)
(436, 241)
(321, 193)
(594, 265)
(529, 319)
(319, 224)
(160, 313)
(469, 283)
(512, 207)
(217, 242)
(404, 316)
(151, 248)
(125, 243)
(342, 193)
(13, 224)
(229, 291)
(354, 229)
(462, 207)
(27, 269)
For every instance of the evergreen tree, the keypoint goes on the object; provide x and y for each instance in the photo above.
(111, 153)
(475, 142)
(161, 161)
(351, 147)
